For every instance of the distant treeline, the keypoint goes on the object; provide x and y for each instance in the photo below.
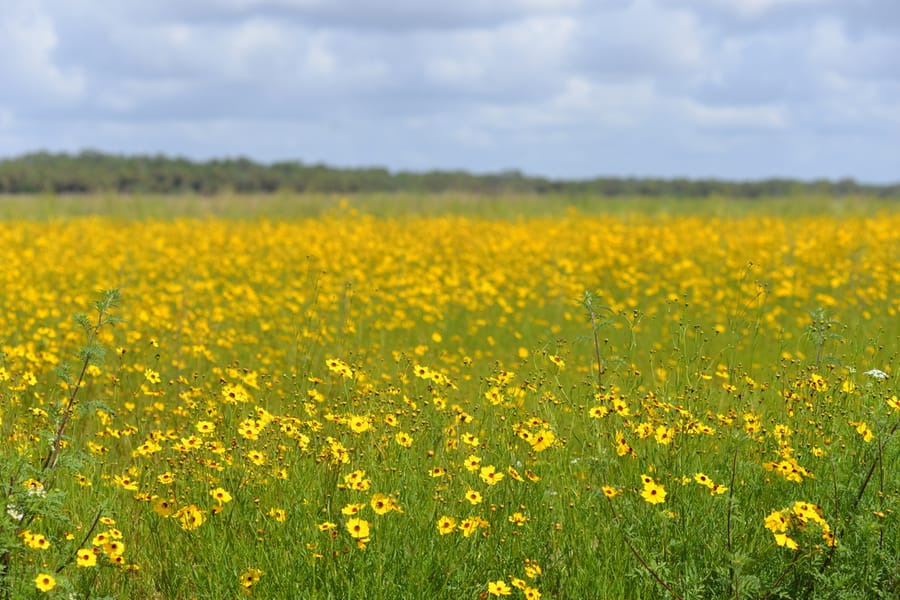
(92, 172)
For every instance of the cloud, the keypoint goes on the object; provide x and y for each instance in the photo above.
(641, 39)
(744, 88)
(385, 15)
(28, 39)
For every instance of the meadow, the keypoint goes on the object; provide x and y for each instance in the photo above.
(449, 397)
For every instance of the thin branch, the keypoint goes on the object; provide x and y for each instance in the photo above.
(588, 303)
(90, 531)
(731, 573)
(784, 573)
(640, 558)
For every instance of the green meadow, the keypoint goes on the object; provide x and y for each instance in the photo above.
(449, 396)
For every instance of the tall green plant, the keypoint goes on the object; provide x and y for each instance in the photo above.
(29, 494)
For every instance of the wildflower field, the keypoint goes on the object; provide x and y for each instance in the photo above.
(461, 402)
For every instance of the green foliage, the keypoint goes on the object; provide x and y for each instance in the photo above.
(91, 171)
(171, 374)
(822, 330)
(29, 492)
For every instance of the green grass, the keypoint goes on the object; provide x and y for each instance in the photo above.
(285, 205)
(264, 292)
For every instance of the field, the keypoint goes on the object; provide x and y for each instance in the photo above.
(380, 397)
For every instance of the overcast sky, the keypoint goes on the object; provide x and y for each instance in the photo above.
(739, 89)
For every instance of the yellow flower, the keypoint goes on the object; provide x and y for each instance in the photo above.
(598, 412)
(114, 548)
(358, 528)
(35, 541)
(221, 496)
(893, 402)
(499, 588)
(126, 482)
(279, 514)
(863, 429)
(382, 504)
(250, 578)
(777, 521)
(817, 383)
(470, 440)
(490, 475)
(85, 557)
(469, 526)
(163, 507)
(352, 509)
(257, 457)
(542, 440)
(336, 365)
(359, 424)
(621, 407)
(653, 493)
(531, 593)
(703, 480)
(190, 517)
(518, 519)
(664, 435)
(514, 474)
(782, 539)
(151, 376)
(446, 525)
(44, 582)
(34, 487)
(532, 569)
(472, 463)
(356, 480)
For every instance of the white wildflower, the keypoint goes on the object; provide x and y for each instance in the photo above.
(876, 374)
(13, 511)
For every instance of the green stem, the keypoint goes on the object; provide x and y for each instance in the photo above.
(731, 573)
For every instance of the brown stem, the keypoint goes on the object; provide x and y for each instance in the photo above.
(784, 573)
(81, 545)
(861, 492)
(731, 573)
(640, 558)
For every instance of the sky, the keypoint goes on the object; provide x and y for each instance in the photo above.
(730, 89)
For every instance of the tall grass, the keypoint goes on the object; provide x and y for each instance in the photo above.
(554, 398)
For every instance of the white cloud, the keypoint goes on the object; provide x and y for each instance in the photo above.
(642, 38)
(863, 57)
(613, 104)
(763, 117)
(384, 15)
(27, 41)
(757, 8)
(524, 55)
(737, 87)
